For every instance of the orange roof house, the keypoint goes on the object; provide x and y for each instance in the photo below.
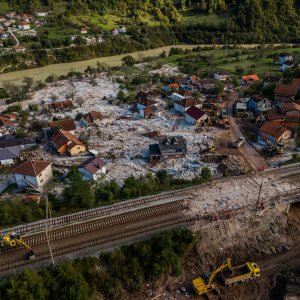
(274, 133)
(248, 79)
(66, 143)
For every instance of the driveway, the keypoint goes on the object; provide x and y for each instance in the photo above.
(248, 151)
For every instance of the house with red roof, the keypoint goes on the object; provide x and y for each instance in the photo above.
(91, 118)
(146, 107)
(92, 169)
(285, 92)
(33, 174)
(66, 143)
(273, 133)
(195, 115)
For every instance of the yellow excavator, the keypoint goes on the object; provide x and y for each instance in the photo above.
(13, 240)
(230, 275)
(203, 285)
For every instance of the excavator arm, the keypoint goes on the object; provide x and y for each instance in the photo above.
(225, 265)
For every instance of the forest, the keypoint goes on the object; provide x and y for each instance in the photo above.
(151, 24)
(112, 276)
(256, 18)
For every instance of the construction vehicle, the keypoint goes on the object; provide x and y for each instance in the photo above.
(271, 150)
(230, 275)
(13, 240)
(205, 148)
(204, 284)
(238, 142)
(242, 273)
(241, 114)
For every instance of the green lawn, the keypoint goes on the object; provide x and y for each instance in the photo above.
(255, 61)
(57, 33)
(198, 19)
(4, 7)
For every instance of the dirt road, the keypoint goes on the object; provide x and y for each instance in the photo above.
(247, 150)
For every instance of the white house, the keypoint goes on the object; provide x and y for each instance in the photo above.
(24, 26)
(183, 106)
(264, 104)
(33, 173)
(177, 97)
(195, 115)
(41, 14)
(92, 169)
(221, 76)
(83, 30)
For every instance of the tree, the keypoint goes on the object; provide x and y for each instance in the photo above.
(78, 192)
(28, 81)
(163, 176)
(69, 283)
(206, 174)
(128, 61)
(29, 286)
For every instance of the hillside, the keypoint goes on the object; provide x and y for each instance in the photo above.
(148, 24)
(259, 20)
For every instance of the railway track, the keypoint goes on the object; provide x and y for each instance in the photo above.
(141, 222)
(94, 213)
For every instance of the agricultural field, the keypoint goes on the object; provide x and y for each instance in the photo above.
(236, 61)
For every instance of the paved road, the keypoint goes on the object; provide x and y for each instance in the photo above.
(14, 36)
(248, 151)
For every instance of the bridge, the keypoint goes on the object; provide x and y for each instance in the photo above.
(91, 231)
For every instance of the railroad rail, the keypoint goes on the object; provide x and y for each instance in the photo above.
(144, 221)
(98, 212)
(284, 171)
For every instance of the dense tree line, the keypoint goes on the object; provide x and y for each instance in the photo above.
(79, 194)
(244, 21)
(111, 276)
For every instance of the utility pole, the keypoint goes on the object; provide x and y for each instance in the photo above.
(48, 225)
(259, 193)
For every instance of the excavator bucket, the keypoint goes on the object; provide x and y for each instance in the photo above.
(30, 255)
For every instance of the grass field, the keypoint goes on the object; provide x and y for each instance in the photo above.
(192, 19)
(4, 8)
(255, 61)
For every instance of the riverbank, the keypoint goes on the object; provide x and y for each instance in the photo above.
(62, 69)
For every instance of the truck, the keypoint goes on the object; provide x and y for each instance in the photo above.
(230, 275)
(238, 142)
(242, 273)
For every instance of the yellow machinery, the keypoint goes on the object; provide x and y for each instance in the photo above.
(242, 273)
(230, 275)
(13, 240)
(203, 286)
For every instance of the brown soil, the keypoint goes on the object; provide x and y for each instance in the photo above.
(271, 240)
